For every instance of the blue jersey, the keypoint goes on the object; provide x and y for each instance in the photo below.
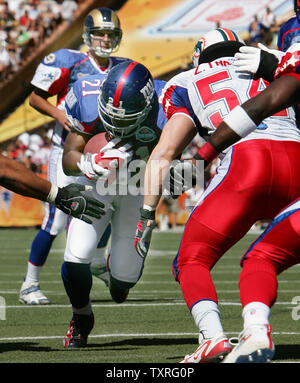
(82, 110)
(289, 34)
(58, 71)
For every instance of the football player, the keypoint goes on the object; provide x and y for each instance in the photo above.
(16, 177)
(278, 247)
(55, 75)
(126, 107)
(251, 181)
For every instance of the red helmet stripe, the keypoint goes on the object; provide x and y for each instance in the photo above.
(122, 81)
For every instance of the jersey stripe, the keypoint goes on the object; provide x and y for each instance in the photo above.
(122, 81)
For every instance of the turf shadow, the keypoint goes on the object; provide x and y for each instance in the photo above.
(23, 346)
(146, 341)
(134, 300)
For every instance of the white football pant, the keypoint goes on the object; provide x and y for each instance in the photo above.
(123, 212)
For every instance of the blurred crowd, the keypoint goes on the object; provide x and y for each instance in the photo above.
(32, 149)
(263, 29)
(25, 24)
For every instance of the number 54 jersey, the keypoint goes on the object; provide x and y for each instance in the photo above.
(209, 92)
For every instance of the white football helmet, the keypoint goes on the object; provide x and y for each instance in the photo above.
(222, 41)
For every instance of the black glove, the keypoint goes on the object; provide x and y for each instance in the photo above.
(182, 178)
(71, 201)
(144, 232)
(267, 66)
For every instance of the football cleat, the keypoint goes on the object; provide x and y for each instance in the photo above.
(78, 332)
(255, 346)
(31, 294)
(101, 272)
(211, 350)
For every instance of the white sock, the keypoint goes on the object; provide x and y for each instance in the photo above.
(99, 258)
(86, 310)
(207, 318)
(33, 273)
(256, 313)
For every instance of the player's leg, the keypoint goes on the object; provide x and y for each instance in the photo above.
(53, 223)
(277, 249)
(124, 263)
(81, 243)
(231, 204)
(99, 262)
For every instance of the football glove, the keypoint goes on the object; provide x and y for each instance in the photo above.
(262, 61)
(71, 201)
(182, 178)
(115, 157)
(144, 230)
(89, 167)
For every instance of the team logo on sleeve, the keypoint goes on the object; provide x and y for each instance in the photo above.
(49, 59)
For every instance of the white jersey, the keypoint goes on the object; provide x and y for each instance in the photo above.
(206, 94)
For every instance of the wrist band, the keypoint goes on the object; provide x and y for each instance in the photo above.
(207, 152)
(240, 122)
(52, 194)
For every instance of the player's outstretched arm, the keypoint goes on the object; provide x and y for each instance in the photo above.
(176, 135)
(16, 177)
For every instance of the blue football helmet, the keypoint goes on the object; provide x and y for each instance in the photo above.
(102, 31)
(297, 9)
(126, 98)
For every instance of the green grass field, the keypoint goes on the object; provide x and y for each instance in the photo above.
(152, 326)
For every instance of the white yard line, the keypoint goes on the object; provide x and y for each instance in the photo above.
(125, 305)
(130, 335)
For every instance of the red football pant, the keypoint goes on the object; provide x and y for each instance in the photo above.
(255, 181)
(277, 249)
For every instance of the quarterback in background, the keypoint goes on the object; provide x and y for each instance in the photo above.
(125, 116)
(55, 75)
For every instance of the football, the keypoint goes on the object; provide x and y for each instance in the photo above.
(97, 142)
(111, 159)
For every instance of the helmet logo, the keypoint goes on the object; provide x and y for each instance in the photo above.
(199, 47)
(148, 91)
